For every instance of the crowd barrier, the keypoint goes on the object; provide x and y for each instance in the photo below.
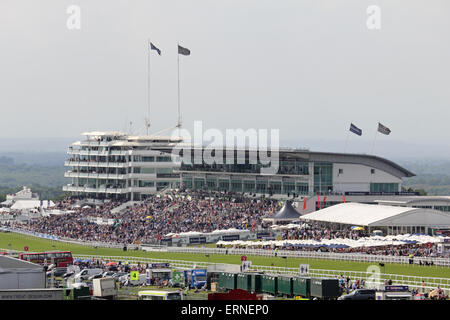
(356, 257)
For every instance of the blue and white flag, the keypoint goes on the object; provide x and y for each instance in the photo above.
(152, 47)
(355, 129)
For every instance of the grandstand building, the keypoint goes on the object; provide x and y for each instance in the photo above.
(120, 166)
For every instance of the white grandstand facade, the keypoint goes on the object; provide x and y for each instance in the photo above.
(118, 166)
(115, 165)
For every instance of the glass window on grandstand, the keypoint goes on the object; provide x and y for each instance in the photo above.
(323, 177)
(211, 183)
(249, 186)
(163, 159)
(302, 188)
(261, 186)
(161, 185)
(236, 185)
(146, 183)
(288, 187)
(224, 185)
(275, 187)
(187, 182)
(442, 208)
(384, 187)
(199, 184)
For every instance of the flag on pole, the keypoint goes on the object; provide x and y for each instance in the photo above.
(355, 129)
(383, 129)
(152, 47)
(343, 198)
(304, 203)
(323, 203)
(183, 51)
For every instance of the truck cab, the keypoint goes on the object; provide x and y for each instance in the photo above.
(195, 278)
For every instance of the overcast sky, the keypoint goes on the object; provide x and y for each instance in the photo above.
(308, 68)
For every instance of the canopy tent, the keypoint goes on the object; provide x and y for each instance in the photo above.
(369, 215)
(340, 243)
(213, 233)
(31, 204)
(286, 214)
(7, 203)
(288, 226)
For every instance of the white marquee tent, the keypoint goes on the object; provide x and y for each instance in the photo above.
(31, 204)
(368, 215)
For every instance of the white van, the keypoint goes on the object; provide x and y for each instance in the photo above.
(86, 273)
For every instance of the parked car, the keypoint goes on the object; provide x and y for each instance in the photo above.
(57, 272)
(95, 276)
(117, 275)
(108, 274)
(86, 273)
(359, 294)
(68, 274)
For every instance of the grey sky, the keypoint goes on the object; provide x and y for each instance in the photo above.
(308, 68)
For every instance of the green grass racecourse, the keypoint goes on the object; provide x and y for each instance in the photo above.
(14, 241)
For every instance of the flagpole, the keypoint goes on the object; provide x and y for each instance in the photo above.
(346, 140)
(179, 113)
(148, 87)
(374, 138)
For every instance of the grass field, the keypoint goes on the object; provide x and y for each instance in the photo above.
(14, 241)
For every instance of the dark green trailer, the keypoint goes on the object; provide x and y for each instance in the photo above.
(301, 287)
(227, 280)
(285, 285)
(326, 289)
(244, 281)
(269, 284)
(256, 283)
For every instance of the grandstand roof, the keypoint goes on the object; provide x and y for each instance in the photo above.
(366, 159)
(419, 200)
(378, 215)
(371, 161)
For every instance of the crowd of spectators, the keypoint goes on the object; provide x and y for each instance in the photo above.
(178, 211)
(158, 215)
(315, 231)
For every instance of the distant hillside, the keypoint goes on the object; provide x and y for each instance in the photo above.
(34, 158)
(47, 181)
(431, 175)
